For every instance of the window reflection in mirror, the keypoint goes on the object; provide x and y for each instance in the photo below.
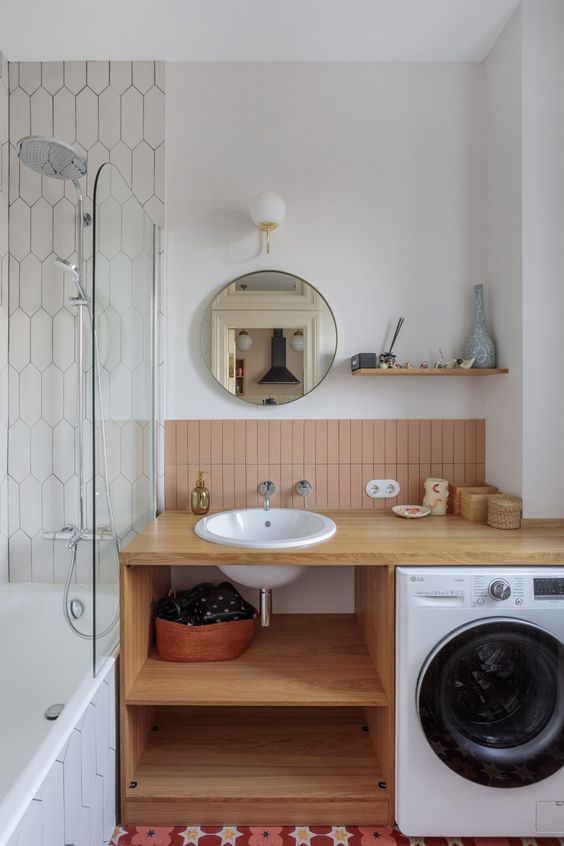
(269, 337)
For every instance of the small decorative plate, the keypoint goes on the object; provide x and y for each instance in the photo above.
(411, 511)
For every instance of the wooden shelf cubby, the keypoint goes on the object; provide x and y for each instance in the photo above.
(299, 727)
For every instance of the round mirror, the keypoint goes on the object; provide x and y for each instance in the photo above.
(269, 337)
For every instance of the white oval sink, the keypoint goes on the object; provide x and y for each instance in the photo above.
(262, 576)
(255, 528)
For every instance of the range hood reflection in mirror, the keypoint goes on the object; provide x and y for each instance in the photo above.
(291, 331)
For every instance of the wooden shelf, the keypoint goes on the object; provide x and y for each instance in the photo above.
(261, 766)
(430, 371)
(300, 660)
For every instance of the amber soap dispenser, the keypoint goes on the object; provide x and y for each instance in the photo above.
(200, 497)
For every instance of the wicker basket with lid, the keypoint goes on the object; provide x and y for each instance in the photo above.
(504, 511)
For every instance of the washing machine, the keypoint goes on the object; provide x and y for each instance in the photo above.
(480, 701)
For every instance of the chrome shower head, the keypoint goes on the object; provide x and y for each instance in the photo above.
(68, 267)
(51, 157)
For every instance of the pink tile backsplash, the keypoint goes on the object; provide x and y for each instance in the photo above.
(337, 456)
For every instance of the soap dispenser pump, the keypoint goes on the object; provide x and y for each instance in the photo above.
(200, 498)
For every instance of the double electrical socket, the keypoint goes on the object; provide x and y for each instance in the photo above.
(382, 488)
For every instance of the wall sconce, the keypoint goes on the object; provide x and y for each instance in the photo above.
(268, 211)
(297, 341)
(244, 341)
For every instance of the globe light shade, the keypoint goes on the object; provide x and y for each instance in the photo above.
(297, 341)
(244, 341)
(268, 210)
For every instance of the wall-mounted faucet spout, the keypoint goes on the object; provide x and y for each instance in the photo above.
(267, 490)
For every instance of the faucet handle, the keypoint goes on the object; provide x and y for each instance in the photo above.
(303, 487)
(267, 488)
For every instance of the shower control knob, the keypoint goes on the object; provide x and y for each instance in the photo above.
(499, 589)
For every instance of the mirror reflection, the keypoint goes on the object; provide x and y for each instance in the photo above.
(269, 337)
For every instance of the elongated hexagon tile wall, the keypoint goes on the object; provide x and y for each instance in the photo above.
(109, 111)
(4, 317)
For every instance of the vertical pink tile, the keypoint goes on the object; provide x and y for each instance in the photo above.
(344, 441)
(391, 428)
(216, 442)
(391, 472)
(286, 442)
(240, 485)
(193, 447)
(470, 441)
(263, 442)
(251, 447)
(356, 441)
(356, 486)
(216, 488)
(448, 473)
(274, 441)
(402, 442)
(379, 473)
(228, 442)
(367, 441)
(459, 473)
(471, 474)
(424, 473)
(437, 441)
(321, 441)
(448, 441)
(425, 441)
(182, 442)
(297, 476)
(251, 485)
(333, 487)
(379, 453)
(263, 473)
(297, 441)
(286, 487)
(415, 485)
(309, 474)
(332, 442)
(274, 475)
(228, 485)
(170, 487)
(239, 441)
(480, 474)
(413, 441)
(205, 442)
(402, 478)
(170, 442)
(459, 441)
(309, 441)
(321, 486)
(437, 471)
(481, 441)
(345, 487)
(182, 490)
(367, 475)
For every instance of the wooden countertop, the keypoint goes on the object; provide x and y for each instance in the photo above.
(362, 538)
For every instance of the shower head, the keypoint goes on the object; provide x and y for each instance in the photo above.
(51, 157)
(68, 267)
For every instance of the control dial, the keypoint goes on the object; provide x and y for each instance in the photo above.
(499, 589)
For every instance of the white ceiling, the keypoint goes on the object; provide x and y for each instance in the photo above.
(252, 30)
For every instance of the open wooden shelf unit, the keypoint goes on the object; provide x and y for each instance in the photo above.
(430, 371)
(299, 727)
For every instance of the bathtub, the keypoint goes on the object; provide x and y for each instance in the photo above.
(43, 663)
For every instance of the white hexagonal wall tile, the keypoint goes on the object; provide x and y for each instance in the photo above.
(14, 174)
(160, 75)
(30, 76)
(64, 222)
(30, 395)
(141, 502)
(63, 450)
(120, 393)
(42, 229)
(70, 494)
(42, 113)
(75, 76)
(120, 75)
(86, 118)
(142, 282)
(30, 184)
(41, 450)
(102, 282)
(52, 284)
(20, 119)
(120, 156)
(63, 339)
(132, 338)
(31, 517)
(20, 230)
(52, 395)
(41, 339)
(141, 387)
(14, 394)
(19, 340)
(70, 394)
(132, 117)
(154, 117)
(109, 339)
(52, 76)
(19, 547)
(97, 156)
(19, 451)
(52, 189)
(143, 172)
(64, 116)
(42, 563)
(30, 284)
(14, 75)
(53, 506)
(155, 209)
(133, 228)
(109, 221)
(131, 451)
(121, 494)
(160, 172)
(109, 117)
(97, 75)
(121, 283)
(13, 506)
(143, 75)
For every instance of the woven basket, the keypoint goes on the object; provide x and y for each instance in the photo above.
(217, 642)
(504, 511)
(474, 504)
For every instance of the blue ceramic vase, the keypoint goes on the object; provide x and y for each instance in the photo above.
(479, 343)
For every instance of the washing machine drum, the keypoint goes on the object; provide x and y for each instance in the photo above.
(491, 702)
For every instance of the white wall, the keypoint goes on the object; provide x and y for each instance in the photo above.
(4, 261)
(381, 168)
(503, 256)
(543, 257)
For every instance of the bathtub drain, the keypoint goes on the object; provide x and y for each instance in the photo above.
(54, 711)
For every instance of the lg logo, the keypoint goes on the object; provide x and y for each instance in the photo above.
(417, 579)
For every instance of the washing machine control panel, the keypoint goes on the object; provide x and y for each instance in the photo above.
(489, 589)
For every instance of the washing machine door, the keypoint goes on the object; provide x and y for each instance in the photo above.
(490, 700)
